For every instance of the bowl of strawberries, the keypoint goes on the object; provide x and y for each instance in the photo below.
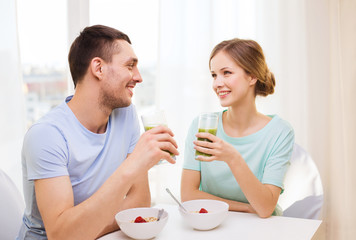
(204, 214)
(141, 223)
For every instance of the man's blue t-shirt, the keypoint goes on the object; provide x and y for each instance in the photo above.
(266, 152)
(59, 145)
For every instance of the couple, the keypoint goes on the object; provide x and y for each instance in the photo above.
(85, 160)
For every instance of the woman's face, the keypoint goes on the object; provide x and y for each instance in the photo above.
(232, 84)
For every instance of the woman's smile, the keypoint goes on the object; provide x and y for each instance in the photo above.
(223, 94)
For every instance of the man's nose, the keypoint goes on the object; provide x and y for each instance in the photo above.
(137, 76)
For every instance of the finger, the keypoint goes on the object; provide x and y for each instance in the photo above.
(166, 138)
(205, 158)
(166, 146)
(209, 136)
(205, 144)
(162, 133)
(167, 156)
(204, 150)
(161, 129)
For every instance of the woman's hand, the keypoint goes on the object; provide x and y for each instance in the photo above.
(262, 197)
(217, 148)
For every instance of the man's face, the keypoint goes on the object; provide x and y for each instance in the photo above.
(119, 78)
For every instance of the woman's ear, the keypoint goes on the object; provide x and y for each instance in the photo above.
(253, 80)
(96, 67)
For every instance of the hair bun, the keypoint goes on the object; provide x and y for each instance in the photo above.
(265, 87)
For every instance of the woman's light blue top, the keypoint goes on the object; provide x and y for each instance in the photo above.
(267, 153)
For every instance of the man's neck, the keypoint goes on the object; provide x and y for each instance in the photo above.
(88, 112)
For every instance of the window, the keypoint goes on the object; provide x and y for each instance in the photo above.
(139, 19)
(43, 47)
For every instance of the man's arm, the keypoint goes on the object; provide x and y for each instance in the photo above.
(138, 196)
(87, 220)
(63, 220)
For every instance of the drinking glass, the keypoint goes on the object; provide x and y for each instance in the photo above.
(154, 119)
(208, 122)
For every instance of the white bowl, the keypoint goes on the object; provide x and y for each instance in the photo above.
(125, 219)
(217, 212)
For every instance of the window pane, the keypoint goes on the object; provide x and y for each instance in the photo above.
(139, 20)
(43, 47)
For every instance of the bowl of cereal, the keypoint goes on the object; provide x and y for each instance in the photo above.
(204, 214)
(141, 223)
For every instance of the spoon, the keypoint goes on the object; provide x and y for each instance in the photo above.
(160, 212)
(180, 205)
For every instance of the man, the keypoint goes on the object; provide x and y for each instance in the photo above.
(85, 160)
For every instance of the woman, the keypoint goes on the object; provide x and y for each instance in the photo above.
(251, 151)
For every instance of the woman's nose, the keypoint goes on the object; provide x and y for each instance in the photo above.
(218, 82)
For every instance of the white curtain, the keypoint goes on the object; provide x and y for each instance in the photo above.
(12, 120)
(188, 32)
(341, 150)
(310, 47)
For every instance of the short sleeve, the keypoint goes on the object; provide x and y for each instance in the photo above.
(135, 129)
(279, 160)
(45, 152)
(189, 151)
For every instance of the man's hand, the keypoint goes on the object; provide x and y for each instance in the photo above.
(154, 145)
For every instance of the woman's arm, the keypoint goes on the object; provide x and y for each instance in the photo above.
(262, 197)
(190, 190)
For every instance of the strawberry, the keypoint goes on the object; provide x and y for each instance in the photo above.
(203, 210)
(139, 219)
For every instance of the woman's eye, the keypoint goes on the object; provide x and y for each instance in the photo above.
(227, 72)
(213, 75)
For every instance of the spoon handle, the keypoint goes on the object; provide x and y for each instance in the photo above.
(180, 205)
(160, 212)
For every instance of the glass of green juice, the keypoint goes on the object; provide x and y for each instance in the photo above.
(154, 119)
(208, 122)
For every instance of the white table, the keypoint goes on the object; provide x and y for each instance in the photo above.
(236, 226)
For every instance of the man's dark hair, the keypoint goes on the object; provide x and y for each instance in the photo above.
(93, 41)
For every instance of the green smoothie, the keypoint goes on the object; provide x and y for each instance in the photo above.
(211, 131)
(150, 127)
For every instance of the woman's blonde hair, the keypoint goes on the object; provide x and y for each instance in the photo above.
(249, 56)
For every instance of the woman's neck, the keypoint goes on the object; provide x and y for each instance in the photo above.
(243, 121)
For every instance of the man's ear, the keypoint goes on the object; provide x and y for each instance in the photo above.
(96, 67)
